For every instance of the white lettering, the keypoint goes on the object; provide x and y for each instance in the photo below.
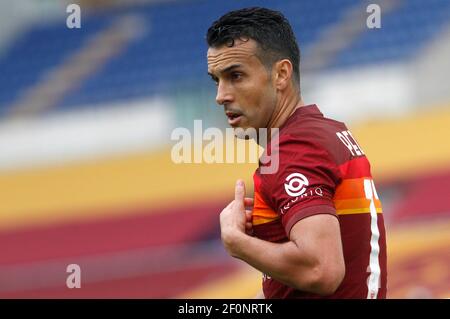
(248, 151)
(346, 142)
(346, 133)
(374, 19)
(183, 146)
(213, 151)
(74, 279)
(356, 142)
(74, 18)
(349, 141)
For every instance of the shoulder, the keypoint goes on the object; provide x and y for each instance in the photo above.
(309, 138)
(319, 132)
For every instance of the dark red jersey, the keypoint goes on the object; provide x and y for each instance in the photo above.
(323, 170)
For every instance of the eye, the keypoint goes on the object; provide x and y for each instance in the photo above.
(215, 80)
(236, 75)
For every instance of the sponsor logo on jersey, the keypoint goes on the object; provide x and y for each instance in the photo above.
(296, 184)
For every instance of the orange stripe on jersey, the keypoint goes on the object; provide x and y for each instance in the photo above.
(262, 220)
(262, 213)
(354, 211)
(350, 189)
(356, 206)
(350, 198)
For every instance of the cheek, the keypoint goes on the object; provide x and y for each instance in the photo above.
(265, 104)
(258, 100)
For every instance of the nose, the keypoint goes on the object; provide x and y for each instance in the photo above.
(224, 95)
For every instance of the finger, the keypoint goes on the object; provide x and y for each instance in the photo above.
(248, 215)
(248, 202)
(228, 206)
(249, 229)
(239, 194)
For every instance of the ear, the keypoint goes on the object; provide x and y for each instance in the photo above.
(283, 74)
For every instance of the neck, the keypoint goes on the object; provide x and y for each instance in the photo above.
(286, 106)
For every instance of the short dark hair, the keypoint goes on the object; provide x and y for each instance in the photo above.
(269, 28)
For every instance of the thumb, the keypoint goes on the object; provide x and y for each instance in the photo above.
(239, 193)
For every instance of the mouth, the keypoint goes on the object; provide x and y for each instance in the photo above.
(233, 117)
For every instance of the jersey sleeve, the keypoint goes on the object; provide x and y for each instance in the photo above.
(304, 183)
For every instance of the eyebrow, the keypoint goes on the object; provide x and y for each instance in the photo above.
(227, 69)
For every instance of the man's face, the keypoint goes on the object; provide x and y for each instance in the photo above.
(244, 85)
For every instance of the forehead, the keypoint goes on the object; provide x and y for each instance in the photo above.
(242, 52)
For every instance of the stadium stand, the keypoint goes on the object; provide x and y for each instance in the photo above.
(392, 43)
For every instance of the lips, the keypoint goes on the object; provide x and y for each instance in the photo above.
(233, 117)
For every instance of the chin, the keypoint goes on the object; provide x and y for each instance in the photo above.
(245, 132)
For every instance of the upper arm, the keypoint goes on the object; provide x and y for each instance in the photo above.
(320, 232)
(319, 237)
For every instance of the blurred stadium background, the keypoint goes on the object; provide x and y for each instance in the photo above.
(85, 122)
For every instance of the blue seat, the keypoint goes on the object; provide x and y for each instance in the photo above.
(171, 49)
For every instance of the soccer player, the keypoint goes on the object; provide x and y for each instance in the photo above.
(317, 227)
